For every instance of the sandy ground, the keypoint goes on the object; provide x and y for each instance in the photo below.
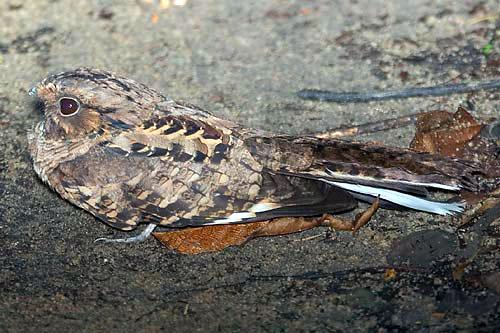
(244, 60)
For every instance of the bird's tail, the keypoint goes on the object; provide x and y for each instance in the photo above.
(400, 177)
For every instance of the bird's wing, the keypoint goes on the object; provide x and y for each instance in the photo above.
(215, 208)
(196, 170)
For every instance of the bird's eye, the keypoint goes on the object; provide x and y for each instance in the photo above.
(68, 106)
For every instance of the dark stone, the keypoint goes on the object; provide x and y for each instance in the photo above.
(422, 248)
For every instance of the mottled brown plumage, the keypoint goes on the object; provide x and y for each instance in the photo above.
(130, 155)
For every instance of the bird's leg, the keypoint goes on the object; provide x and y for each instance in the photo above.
(344, 225)
(135, 239)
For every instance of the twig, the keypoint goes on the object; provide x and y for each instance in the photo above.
(372, 127)
(357, 97)
(309, 238)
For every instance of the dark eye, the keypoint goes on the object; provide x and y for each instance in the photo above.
(68, 106)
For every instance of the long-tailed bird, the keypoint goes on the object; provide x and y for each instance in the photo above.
(130, 155)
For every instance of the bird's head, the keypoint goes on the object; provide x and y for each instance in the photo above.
(84, 101)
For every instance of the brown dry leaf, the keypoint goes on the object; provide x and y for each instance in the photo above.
(364, 217)
(458, 135)
(286, 225)
(445, 133)
(218, 237)
(337, 223)
(361, 219)
(207, 239)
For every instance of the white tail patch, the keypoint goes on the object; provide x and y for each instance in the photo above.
(403, 199)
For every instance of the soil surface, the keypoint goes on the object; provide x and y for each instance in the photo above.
(245, 60)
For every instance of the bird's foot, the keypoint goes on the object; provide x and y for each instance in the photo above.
(135, 239)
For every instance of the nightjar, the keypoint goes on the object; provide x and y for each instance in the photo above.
(130, 155)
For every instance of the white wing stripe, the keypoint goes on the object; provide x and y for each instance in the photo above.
(240, 216)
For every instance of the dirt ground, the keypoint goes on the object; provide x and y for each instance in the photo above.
(244, 60)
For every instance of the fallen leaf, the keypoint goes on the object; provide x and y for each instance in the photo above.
(286, 225)
(337, 223)
(364, 217)
(218, 237)
(207, 239)
(445, 133)
(459, 135)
